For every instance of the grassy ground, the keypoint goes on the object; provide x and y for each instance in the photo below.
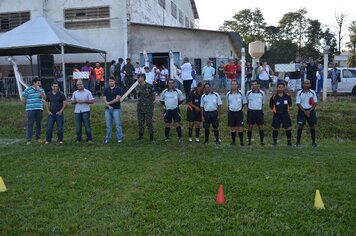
(139, 188)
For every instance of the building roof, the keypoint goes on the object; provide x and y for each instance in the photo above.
(41, 36)
(195, 9)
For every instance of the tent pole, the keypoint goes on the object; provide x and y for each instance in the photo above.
(106, 79)
(64, 72)
(31, 65)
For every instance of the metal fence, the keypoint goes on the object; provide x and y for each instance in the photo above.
(10, 85)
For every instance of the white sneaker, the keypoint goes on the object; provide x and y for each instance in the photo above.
(197, 140)
(190, 140)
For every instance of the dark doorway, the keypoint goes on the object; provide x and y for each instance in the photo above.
(161, 59)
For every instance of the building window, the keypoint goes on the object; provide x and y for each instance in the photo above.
(181, 19)
(186, 22)
(197, 65)
(11, 20)
(162, 3)
(174, 10)
(85, 18)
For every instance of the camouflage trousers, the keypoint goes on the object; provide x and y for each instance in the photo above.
(145, 117)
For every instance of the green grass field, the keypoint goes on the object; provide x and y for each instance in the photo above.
(170, 189)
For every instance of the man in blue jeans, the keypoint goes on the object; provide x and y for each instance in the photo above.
(111, 97)
(82, 98)
(32, 98)
(55, 105)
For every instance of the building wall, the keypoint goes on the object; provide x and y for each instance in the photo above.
(189, 43)
(151, 12)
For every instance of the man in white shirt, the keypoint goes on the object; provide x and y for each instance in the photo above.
(82, 98)
(208, 73)
(163, 78)
(255, 99)
(186, 76)
(306, 101)
(235, 103)
(149, 75)
(210, 109)
(171, 98)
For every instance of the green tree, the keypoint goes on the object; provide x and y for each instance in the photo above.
(249, 24)
(281, 51)
(329, 39)
(352, 44)
(314, 34)
(272, 34)
(293, 26)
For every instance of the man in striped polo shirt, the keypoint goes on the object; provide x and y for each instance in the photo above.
(235, 102)
(210, 109)
(255, 99)
(32, 98)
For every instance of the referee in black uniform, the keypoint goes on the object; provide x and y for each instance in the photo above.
(280, 104)
(194, 112)
(306, 101)
(211, 108)
(255, 99)
(235, 103)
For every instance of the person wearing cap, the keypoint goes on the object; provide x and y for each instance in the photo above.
(255, 100)
(208, 73)
(280, 104)
(306, 101)
(210, 111)
(171, 98)
(235, 103)
(194, 112)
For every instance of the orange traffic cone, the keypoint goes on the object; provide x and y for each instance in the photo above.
(220, 198)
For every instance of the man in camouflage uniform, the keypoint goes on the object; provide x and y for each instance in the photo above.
(129, 71)
(146, 97)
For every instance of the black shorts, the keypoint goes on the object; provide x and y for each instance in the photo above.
(264, 84)
(211, 117)
(283, 119)
(170, 115)
(235, 118)
(302, 118)
(193, 116)
(255, 117)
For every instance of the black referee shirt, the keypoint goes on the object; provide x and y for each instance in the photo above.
(280, 104)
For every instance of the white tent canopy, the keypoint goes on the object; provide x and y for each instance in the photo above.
(41, 36)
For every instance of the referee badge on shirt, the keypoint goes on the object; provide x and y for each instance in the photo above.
(311, 101)
(285, 102)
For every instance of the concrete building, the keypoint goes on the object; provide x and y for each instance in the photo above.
(125, 28)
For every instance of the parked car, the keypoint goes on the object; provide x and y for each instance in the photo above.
(348, 81)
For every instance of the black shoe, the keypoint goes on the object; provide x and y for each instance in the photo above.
(274, 143)
(233, 143)
(297, 145)
(289, 144)
(217, 142)
(249, 143)
(314, 145)
(262, 144)
(242, 144)
(139, 138)
(206, 142)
